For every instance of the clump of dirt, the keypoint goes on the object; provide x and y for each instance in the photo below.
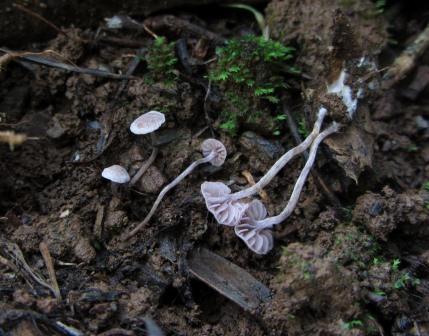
(382, 213)
(310, 25)
(311, 284)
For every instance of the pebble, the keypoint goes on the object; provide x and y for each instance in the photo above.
(152, 181)
(266, 150)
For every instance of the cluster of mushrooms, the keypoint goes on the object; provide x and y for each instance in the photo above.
(248, 217)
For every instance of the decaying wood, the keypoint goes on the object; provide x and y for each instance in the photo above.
(40, 58)
(44, 250)
(228, 279)
(406, 61)
(13, 257)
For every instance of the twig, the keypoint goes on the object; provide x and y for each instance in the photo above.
(34, 58)
(16, 261)
(14, 139)
(251, 181)
(317, 178)
(145, 166)
(179, 26)
(106, 135)
(47, 22)
(11, 316)
(44, 250)
(406, 61)
(206, 114)
(98, 225)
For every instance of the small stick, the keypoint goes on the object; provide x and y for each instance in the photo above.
(178, 25)
(252, 182)
(47, 22)
(47, 61)
(317, 178)
(98, 228)
(208, 121)
(406, 61)
(44, 250)
(18, 263)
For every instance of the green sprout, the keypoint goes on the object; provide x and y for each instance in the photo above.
(395, 264)
(352, 324)
(302, 128)
(404, 280)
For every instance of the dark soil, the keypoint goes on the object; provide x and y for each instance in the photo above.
(360, 267)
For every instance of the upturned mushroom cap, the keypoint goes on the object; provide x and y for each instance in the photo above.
(225, 211)
(210, 145)
(259, 241)
(116, 174)
(147, 123)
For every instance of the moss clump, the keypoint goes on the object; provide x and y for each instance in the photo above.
(161, 60)
(250, 71)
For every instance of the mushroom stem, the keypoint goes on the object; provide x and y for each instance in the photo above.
(145, 166)
(284, 159)
(294, 198)
(167, 188)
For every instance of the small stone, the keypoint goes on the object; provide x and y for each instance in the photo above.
(267, 150)
(152, 181)
(56, 131)
(84, 251)
(115, 220)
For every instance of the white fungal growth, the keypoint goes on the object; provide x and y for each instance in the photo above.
(114, 22)
(344, 91)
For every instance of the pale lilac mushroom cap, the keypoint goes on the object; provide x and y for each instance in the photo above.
(116, 174)
(213, 145)
(147, 123)
(258, 240)
(225, 211)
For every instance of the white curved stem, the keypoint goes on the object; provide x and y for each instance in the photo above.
(144, 166)
(167, 188)
(284, 159)
(294, 198)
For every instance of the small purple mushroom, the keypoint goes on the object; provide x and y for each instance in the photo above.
(117, 175)
(226, 207)
(226, 211)
(145, 124)
(214, 152)
(258, 240)
(254, 228)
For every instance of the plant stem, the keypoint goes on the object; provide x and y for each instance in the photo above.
(282, 161)
(294, 198)
(144, 166)
(166, 189)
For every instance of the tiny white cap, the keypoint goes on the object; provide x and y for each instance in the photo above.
(116, 174)
(147, 123)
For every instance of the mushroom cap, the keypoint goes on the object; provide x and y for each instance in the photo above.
(210, 145)
(116, 174)
(147, 123)
(259, 241)
(226, 212)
